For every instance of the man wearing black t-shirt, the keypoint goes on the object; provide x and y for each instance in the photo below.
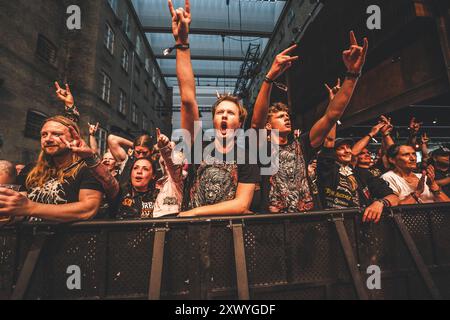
(441, 165)
(343, 186)
(219, 185)
(289, 190)
(60, 186)
(362, 157)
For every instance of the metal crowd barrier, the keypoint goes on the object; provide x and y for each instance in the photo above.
(321, 255)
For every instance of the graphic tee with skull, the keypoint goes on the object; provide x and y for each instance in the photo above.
(217, 177)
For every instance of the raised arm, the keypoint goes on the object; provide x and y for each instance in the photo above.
(65, 95)
(98, 170)
(282, 63)
(181, 20)
(330, 140)
(424, 147)
(166, 153)
(414, 128)
(92, 139)
(361, 144)
(354, 59)
(118, 146)
(386, 131)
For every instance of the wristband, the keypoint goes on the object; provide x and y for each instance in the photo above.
(352, 75)
(437, 192)
(386, 203)
(268, 80)
(177, 46)
(279, 85)
(93, 161)
(415, 197)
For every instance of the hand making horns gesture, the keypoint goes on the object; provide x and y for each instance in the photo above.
(282, 62)
(355, 57)
(64, 95)
(181, 20)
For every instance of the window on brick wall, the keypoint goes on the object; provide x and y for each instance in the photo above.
(144, 123)
(137, 76)
(125, 61)
(46, 50)
(109, 39)
(139, 47)
(35, 120)
(147, 65)
(102, 141)
(122, 102)
(134, 114)
(113, 4)
(146, 90)
(153, 74)
(106, 87)
(126, 25)
(291, 17)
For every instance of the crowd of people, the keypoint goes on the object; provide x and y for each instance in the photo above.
(150, 178)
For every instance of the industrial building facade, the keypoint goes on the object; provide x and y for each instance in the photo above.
(108, 64)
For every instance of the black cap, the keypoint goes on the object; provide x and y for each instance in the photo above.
(340, 141)
(441, 152)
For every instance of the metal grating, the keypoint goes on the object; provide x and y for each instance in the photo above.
(297, 257)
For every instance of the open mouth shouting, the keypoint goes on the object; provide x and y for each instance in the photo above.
(138, 179)
(223, 128)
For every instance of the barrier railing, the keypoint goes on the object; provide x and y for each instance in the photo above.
(321, 255)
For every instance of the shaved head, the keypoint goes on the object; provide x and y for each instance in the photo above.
(7, 172)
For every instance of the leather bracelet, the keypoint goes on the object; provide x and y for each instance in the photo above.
(182, 46)
(352, 75)
(437, 192)
(178, 47)
(268, 80)
(93, 161)
(415, 197)
(279, 85)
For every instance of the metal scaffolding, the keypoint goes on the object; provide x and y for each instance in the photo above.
(248, 69)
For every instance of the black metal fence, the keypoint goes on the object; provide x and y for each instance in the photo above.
(322, 255)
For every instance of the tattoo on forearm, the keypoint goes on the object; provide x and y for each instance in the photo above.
(108, 182)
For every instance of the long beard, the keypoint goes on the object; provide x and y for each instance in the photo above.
(59, 153)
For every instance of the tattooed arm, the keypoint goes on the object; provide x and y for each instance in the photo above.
(108, 182)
